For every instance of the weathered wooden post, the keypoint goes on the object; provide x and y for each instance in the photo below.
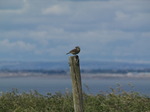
(76, 83)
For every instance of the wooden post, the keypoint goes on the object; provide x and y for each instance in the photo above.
(76, 83)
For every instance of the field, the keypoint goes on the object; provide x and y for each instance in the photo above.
(116, 101)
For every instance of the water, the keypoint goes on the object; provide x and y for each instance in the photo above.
(90, 86)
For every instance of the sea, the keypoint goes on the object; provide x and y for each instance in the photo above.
(104, 77)
(94, 86)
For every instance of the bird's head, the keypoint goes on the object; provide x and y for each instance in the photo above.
(77, 47)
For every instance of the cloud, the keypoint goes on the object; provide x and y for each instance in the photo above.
(56, 9)
(6, 46)
(136, 21)
(109, 29)
(14, 6)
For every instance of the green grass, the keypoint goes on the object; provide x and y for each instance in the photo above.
(115, 101)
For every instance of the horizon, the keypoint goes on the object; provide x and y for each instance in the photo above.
(83, 61)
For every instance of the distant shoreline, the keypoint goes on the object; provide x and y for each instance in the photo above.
(89, 69)
(24, 74)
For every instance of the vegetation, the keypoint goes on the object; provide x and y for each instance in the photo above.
(115, 101)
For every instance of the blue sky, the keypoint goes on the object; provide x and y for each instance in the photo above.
(44, 30)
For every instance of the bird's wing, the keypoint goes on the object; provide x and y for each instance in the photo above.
(73, 51)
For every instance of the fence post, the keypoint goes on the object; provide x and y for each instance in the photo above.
(76, 83)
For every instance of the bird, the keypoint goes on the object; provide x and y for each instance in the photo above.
(74, 51)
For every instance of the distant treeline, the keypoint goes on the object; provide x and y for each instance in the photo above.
(35, 71)
(122, 71)
(94, 71)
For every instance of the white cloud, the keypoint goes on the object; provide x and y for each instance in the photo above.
(145, 35)
(121, 16)
(132, 21)
(6, 45)
(56, 9)
(15, 6)
(51, 27)
(13, 34)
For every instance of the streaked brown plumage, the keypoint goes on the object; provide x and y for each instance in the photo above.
(74, 51)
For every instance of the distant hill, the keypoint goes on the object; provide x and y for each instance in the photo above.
(61, 69)
(113, 65)
(86, 66)
(64, 65)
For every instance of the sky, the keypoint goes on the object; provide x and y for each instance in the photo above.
(45, 30)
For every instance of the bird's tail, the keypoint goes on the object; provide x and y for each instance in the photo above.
(67, 53)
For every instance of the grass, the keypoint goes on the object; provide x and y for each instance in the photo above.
(116, 101)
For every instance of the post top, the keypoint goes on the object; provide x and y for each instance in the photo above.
(76, 56)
